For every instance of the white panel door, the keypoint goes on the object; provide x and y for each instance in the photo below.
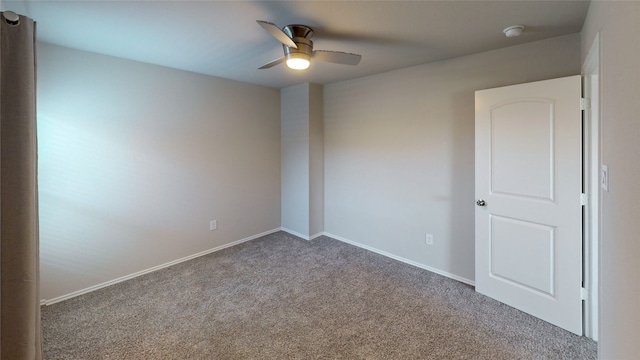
(528, 210)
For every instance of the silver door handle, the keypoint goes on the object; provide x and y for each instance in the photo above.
(481, 202)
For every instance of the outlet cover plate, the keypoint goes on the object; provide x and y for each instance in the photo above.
(428, 239)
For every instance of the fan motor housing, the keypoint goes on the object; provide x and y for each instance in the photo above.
(301, 35)
(305, 46)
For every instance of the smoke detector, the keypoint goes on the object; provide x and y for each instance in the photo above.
(513, 31)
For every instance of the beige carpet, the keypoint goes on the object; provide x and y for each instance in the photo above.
(279, 297)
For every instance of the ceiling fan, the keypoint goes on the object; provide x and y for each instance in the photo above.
(298, 48)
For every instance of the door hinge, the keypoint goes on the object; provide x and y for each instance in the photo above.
(584, 104)
(584, 294)
(584, 199)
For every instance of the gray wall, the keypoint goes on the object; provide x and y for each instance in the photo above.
(136, 159)
(302, 160)
(399, 151)
(294, 102)
(619, 27)
(316, 160)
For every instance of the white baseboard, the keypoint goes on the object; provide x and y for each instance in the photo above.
(152, 269)
(316, 235)
(399, 258)
(202, 253)
(305, 237)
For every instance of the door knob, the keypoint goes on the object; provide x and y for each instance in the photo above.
(481, 202)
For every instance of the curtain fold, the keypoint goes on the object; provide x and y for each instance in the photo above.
(20, 330)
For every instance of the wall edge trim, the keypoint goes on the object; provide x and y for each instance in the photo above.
(294, 233)
(152, 269)
(401, 259)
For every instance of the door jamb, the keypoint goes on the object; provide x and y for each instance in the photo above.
(591, 186)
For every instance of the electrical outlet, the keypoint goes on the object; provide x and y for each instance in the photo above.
(213, 225)
(428, 239)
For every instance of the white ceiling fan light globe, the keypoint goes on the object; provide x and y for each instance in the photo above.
(298, 64)
(298, 61)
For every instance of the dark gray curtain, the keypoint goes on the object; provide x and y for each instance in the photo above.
(19, 261)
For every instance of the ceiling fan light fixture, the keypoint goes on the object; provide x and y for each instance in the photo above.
(298, 61)
(298, 48)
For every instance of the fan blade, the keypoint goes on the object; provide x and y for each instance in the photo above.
(337, 57)
(275, 31)
(272, 63)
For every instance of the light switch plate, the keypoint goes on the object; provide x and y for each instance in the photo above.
(604, 177)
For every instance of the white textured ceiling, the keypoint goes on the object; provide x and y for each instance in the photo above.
(222, 38)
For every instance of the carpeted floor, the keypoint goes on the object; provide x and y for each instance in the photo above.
(279, 297)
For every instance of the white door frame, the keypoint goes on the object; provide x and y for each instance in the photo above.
(591, 186)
